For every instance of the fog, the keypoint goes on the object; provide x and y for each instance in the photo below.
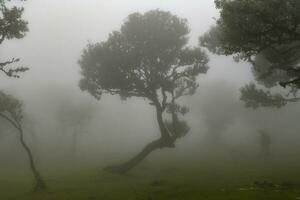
(112, 130)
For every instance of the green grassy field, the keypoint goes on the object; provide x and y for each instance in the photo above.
(173, 179)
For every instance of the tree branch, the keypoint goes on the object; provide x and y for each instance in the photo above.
(164, 101)
(294, 81)
(2, 38)
(14, 123)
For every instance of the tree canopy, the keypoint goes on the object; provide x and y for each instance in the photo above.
(10, 108)
(12, 26)
(147, 54)
(264, 33)
(148, 58)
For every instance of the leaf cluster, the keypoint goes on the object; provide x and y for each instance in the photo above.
(10, 107)
(12, 26)
(264, 33)
(148, 54)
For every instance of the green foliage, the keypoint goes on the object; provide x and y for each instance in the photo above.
(178, 128)
(148, 54)
(10, 107)
(148, 58)
(254, 97)
(11, 23)
(12, 26)
(264, 33)
(176, 108)
(246, 27)
(264, 73)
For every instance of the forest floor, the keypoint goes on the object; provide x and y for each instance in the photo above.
(168, 180)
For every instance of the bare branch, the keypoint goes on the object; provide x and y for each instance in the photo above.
(14, 123)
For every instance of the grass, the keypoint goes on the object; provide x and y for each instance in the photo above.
(162, 179)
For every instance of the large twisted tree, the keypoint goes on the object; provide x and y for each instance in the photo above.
(12, 26)
(147, 58)
(12, 112)
(266, 34)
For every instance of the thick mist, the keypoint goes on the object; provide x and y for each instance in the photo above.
(70, 131)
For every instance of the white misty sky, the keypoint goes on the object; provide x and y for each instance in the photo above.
(60, 29)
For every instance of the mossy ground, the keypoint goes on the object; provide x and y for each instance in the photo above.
(174, 179)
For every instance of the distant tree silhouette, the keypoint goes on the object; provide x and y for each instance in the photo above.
(12, 26)
(75, 116)
(11, 111)
(219, 110)
(148, 58)
(265, 142)
(265, 34)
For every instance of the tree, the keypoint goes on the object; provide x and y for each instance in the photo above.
(265, 34)
(265, 142)
(12, 26)
(148, 58)
(11, 111)
(219, 110)
(74, 115)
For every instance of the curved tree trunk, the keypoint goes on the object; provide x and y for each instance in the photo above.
(39, 182)
(165, 141)
(125, 167)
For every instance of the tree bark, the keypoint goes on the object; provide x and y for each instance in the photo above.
(165, 141)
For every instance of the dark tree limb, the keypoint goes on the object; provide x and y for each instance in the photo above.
(294, 81)
(12, 72)
(2, 38)
(126, 65)
(39, 182)
(165, 141)
(125, 167)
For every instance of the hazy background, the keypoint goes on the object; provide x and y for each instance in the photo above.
(60, 29)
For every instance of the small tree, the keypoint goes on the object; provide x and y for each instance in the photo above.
(218, 109)
(266, 34)
(11, 111)
(148, 58)
(75, 115)
(265, 142)
(11, 26)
